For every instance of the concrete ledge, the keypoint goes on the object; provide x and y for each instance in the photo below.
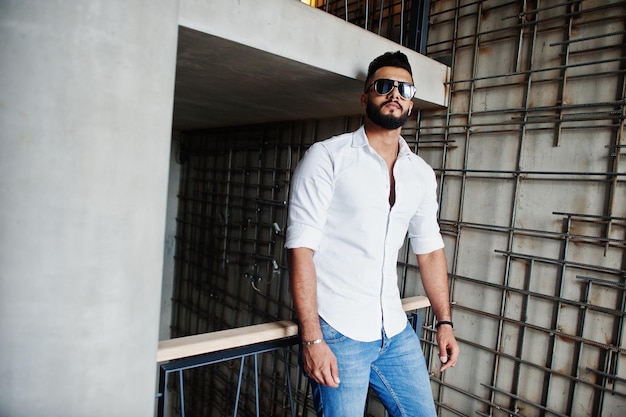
(280, 59)
(183, 347)
(294, 30)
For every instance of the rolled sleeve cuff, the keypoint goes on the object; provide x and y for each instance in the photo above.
(421, 246)
(303, 236)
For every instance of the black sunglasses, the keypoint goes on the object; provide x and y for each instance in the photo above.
(384, 86)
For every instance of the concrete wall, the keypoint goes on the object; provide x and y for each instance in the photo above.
(169, 249)
(85, 112)
(533, 201)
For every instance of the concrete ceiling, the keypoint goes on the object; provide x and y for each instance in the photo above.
(223, 83)
(250, 62)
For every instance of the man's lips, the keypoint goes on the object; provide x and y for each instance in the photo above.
(393, 104)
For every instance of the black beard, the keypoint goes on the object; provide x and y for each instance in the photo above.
(386, 122)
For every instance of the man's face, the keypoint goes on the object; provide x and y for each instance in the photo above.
(391, 110)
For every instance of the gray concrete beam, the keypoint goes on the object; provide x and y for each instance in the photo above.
(315, 61)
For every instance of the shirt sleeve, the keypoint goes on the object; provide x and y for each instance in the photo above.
(423, 232)
(311, 191)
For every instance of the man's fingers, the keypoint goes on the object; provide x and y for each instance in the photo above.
(326, 377)
(329, 374)
(450, 359)
(334, 370)
(448, 348)
(321, 365)
(445, 361)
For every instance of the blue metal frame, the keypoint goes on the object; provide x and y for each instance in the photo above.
(416, 319)
(179, 365)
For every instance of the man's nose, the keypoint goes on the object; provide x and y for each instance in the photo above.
(394, 93)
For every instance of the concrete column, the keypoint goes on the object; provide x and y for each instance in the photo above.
(85, 117)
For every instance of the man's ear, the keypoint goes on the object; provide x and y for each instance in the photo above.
(364, 100)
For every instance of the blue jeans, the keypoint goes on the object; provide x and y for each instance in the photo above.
(394, 367)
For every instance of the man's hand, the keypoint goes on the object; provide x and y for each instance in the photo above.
(318, 360)
(320, 364)
(448, 347)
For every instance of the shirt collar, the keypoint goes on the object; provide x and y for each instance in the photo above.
(359, 139)
(404, 148)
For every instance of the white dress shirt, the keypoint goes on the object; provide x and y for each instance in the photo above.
(339, 207)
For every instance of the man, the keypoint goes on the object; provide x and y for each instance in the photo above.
(353, 199)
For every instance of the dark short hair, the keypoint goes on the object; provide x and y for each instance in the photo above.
(388, 59)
